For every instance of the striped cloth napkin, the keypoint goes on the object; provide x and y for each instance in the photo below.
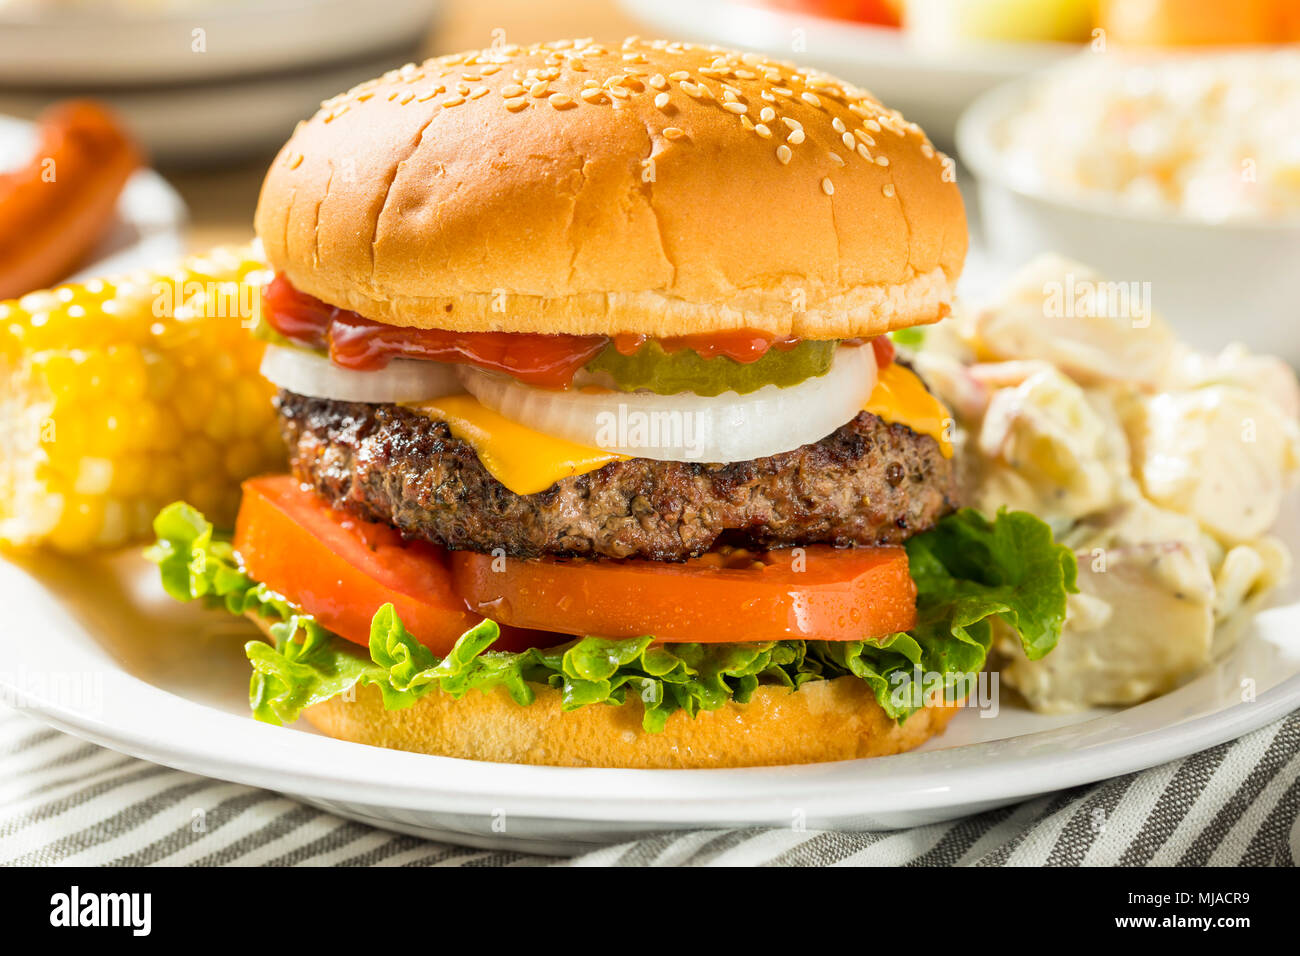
(64, 801)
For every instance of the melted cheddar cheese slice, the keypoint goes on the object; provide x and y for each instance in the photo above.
(527, 461)
(900, 398)
(524, 460)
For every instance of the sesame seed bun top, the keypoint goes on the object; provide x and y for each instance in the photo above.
(657, 188)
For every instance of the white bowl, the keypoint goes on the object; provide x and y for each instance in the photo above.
(1214, 282)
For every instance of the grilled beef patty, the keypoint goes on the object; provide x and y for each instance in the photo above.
(867, 483)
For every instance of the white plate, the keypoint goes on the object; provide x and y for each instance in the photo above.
(115, 43)
(150, 214)
(96, 649)
(203, 125)
(929, 86)
(265, 64)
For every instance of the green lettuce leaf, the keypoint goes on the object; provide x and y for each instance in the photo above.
(968, 570)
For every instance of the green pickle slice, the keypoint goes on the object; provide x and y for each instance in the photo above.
(667, 373)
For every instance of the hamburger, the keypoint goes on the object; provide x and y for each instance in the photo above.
(601, 453)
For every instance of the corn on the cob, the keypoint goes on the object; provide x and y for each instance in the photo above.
(122, 396)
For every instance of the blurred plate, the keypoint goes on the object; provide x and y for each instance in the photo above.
(150, 214)
(203, 125)
(123, 43)
(930, 87)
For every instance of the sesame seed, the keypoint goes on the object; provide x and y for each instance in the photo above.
(746, 122)
(691, 90)
(560, 101)
(882, 160)
(618, 92)
(836, 158)
(782, 91)
(783, 153)
(837, 124)
(848, 140)
(763, 130)
(888, 190)
(673, 133)
(454, 101)
(927, 151)
(514, 89)
(679, 75)
(516, 105)
(658, 82)
(767, 115)
(867, 138)
(864, 152)
(539, 89)
(661, 100)
(828, 187)
(479, 92)
(595, 95)
(811, 99)
(795, 138)
(296, 161)
(737, 108)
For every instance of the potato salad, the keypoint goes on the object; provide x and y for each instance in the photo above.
(1164, 469)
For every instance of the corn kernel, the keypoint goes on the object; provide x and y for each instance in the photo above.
(120, 396)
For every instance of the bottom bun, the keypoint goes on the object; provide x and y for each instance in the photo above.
(824, 720)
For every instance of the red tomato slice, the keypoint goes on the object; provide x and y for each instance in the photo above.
(813, 593)
(342, 569)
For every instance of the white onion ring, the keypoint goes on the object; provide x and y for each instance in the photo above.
(403, 380)
(688, 427)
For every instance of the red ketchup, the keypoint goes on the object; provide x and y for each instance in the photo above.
(548, 361)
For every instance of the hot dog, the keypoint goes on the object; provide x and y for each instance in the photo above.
(58, 206)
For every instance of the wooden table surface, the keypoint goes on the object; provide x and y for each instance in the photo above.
(222, 199)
